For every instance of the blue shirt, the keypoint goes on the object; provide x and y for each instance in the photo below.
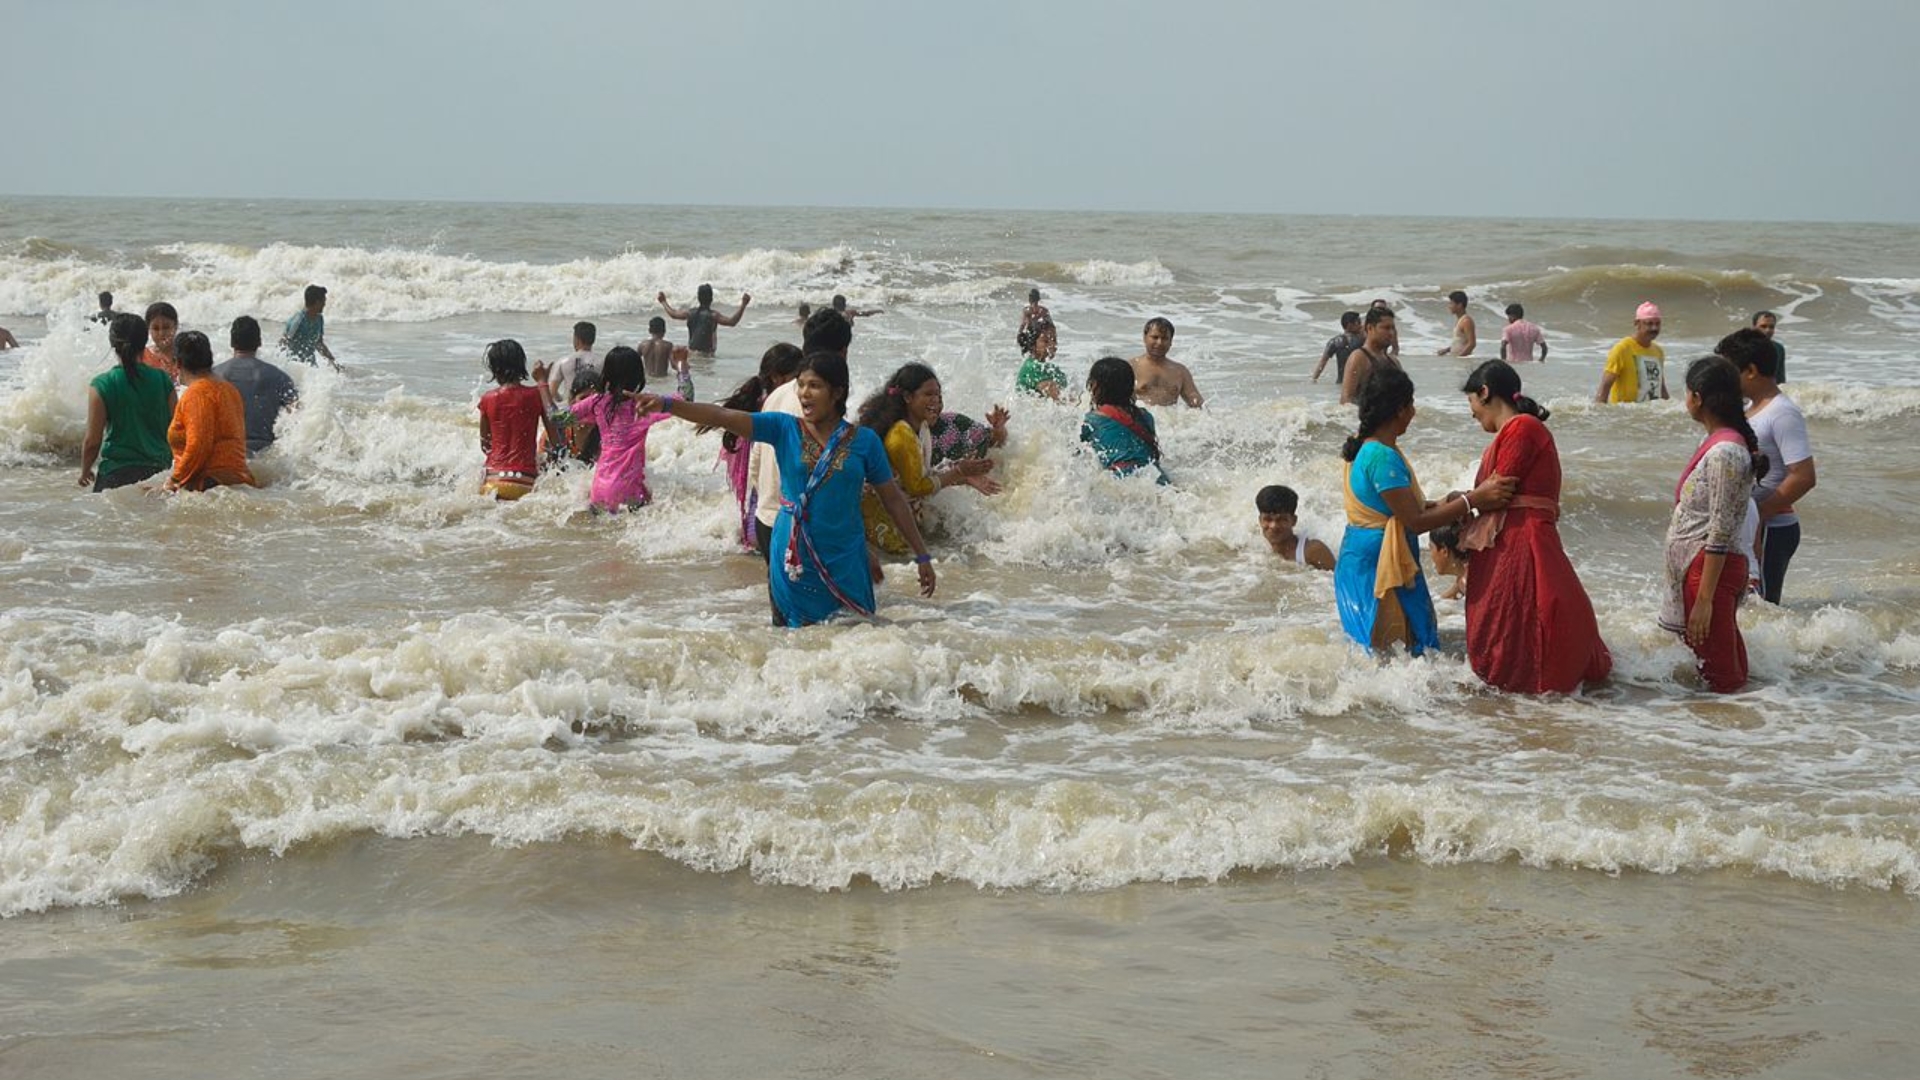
(304, 332)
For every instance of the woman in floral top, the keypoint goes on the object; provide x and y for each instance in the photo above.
(1706, 575)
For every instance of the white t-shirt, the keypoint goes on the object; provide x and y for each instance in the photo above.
(763, 471)
(1781, 429)
(560, 379)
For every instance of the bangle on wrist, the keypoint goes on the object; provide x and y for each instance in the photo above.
(1469, 501)
(924, 558)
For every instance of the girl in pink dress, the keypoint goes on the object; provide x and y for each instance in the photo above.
(620, 473)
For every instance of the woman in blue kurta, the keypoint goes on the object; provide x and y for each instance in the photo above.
(819, 550)
(1377, 583)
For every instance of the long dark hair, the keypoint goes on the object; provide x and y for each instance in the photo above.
(829, 368)
(507, 361)
(779, 360)
(1384, 393)
(127, 336)
(1498, 379)
(1110, 382)
(887, 406)
(1717, 382)
(622, 375)
(194, 351)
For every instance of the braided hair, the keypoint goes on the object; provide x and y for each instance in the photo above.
(1384, 393)
(1717, 382)
(127, 335)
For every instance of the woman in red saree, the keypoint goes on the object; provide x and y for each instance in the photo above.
(1530, 626)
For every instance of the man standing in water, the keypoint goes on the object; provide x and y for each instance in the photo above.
(106, 313)
(1158, 380)
(265, 390)
(703, 320)
(1765, 321)
(1465, 339)
(306, 332)
(1339, 347)
(1636, 368)
(1781, 430)
(1520, 336)
(1371, 356)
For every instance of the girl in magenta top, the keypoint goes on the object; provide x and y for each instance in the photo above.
(620, 473)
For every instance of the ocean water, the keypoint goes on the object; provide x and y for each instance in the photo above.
(1118, 800)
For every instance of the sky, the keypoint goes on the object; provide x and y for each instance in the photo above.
(1694, 109)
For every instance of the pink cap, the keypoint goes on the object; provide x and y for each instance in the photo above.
(1646, 311)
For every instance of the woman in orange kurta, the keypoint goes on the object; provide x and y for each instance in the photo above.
(1530, 626)
(209, 431)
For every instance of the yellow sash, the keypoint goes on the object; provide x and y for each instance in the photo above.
(1397, 567)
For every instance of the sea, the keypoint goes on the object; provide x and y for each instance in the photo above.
(363, 774)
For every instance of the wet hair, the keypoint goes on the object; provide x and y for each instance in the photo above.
(1110, 382)
(1447, 538)
(826, 331)
(106, 300)
(704, 294)
(1382, 395)
(887, 406)
(1749, 348)
(1499, 380)
(160, 309)
(584, 333)
(1276, 499)
(586, 381)
(1159, 321)
(1717, 382)
(1349, 320)
(1515, 311)
(1030, 334)
(314, 295)
(1757, 316)
(839, 303)
(621, 371)
(780, 359)
(657, 325)
(831, 368)
(507, 361)
(127, 336)
(806, 311)
(1033, 296)
(245, 334)
(1457, 297)
(1377, 315)
(194, 352)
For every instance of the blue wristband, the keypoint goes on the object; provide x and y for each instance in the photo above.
(923, 558)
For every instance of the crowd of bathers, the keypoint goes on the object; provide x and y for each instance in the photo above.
(827, 491)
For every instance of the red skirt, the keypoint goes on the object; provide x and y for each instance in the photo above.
(1530, 626)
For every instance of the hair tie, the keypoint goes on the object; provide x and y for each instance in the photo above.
(893, 391)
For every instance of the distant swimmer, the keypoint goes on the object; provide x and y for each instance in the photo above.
(106, 313)
(661, 357)
(1158, 380)
(1465, 338)
(306, 332)
(702, 321)
(840, 305)
(1393, 347)
(806, 312)
(1340, 346)
(1517, 341)
(1636, 368)
(1374, 354)
(1280, 528)
(1765, 321)
(7, 340)
(1034, 311)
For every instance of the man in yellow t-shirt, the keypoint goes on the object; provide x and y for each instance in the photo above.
(1636, 367)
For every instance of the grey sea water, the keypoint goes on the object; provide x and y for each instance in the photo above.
(514, 787)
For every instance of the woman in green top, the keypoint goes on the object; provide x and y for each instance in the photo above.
(128, 410)
(1039, 375)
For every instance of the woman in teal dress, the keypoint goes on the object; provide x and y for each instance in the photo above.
(819, 565)
(1121, 433)
(1377, 583)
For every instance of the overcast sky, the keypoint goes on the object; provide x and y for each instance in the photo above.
(1533, 108)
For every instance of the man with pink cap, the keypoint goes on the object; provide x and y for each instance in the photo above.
(1636, 367)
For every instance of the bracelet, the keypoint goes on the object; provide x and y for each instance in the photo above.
(1469, 502)
(923, 558)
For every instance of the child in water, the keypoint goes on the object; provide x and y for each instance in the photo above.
(1120, 432)
(511, 416)
(1279, 525)
(620, 473)
(1039, 375)
(1449, 559)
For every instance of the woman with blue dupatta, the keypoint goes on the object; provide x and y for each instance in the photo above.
(819, 553)
(1377, 583)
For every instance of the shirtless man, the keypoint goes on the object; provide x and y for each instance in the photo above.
(1393, 347)
(702, 320)
(1464, 337)
(1158, 380)
(1372, 354)
(840, 305)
